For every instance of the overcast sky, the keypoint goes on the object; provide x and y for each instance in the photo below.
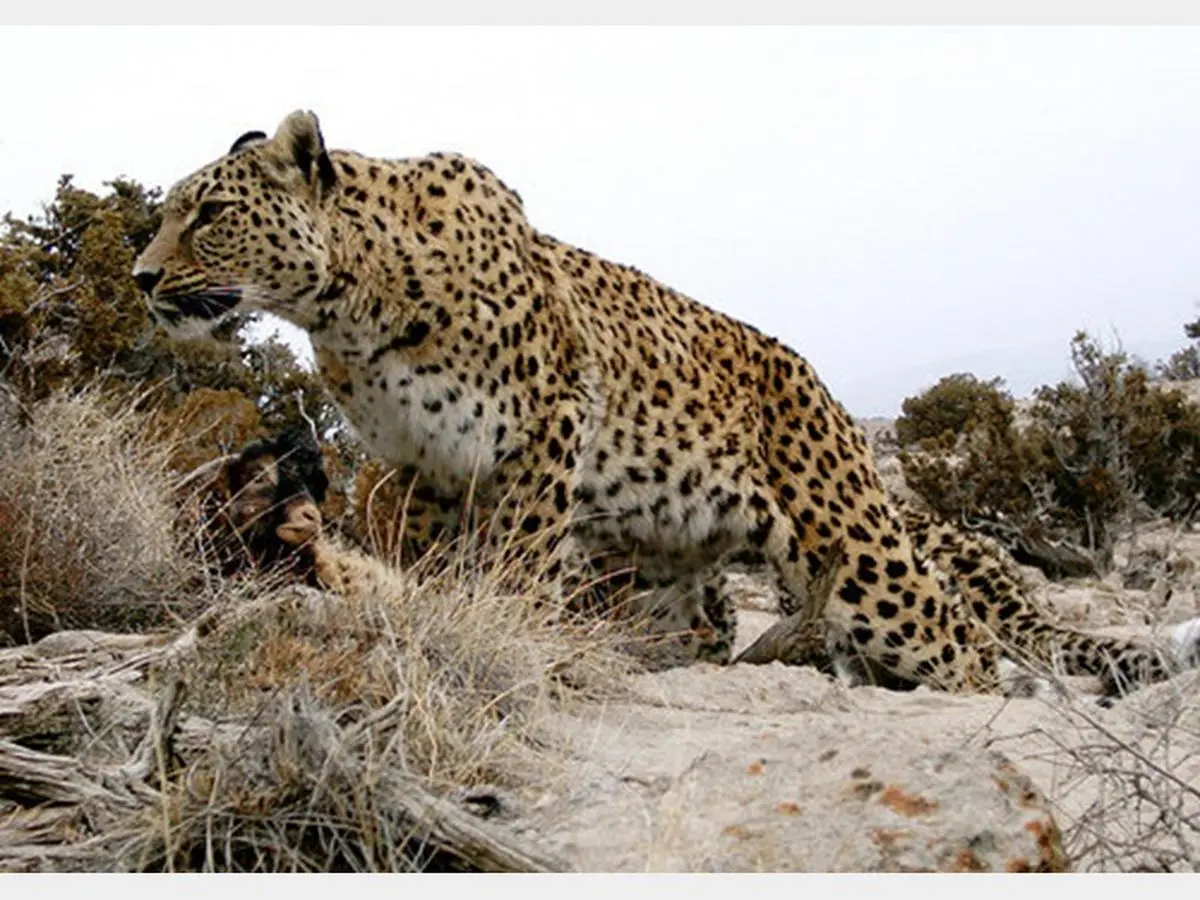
(894, 203)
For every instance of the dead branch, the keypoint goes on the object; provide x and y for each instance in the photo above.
(55, 806)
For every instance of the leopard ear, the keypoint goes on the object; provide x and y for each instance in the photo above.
(298, 142)
(250, 137)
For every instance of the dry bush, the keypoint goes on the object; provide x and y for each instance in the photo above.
(1099, 455)
(1127, 780)
(86, 520)
(300, 730)
(209, 424)
(1146, 812)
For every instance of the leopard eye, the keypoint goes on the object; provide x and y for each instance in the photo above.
(208, 212)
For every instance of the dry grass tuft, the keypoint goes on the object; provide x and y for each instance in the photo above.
(465, 654)
(87, 537)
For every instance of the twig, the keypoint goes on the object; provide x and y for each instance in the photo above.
(299, 394)
(204, 469)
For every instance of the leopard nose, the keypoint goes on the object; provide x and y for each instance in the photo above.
(148, 280)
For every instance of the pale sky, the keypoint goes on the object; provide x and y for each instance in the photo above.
(894, 203)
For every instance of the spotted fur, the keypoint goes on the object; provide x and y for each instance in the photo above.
(580, 398)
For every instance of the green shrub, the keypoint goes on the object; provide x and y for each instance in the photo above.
(952, 407)
(1099, 453)
(1184, 364)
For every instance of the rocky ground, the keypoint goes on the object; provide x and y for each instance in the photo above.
(768, 768)
(737, 768)
(777, 768)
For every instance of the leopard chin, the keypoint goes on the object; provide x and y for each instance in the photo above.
(193, 316)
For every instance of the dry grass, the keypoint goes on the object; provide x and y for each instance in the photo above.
(1143, 787)
(1126, 781)
(87, 537)
(463, 654)
(441, 679)
(297, 726)
(284, 728)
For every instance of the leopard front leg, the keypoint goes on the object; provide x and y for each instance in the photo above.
(676, 618)
(530, 509)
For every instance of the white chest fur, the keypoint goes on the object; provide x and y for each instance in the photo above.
(409, 415)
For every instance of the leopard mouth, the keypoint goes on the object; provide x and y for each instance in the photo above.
(204, 306)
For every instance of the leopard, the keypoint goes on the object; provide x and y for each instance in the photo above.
(584, 402)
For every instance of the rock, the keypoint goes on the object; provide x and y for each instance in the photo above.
(771, 768)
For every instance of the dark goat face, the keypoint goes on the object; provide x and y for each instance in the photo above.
(276, 485)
